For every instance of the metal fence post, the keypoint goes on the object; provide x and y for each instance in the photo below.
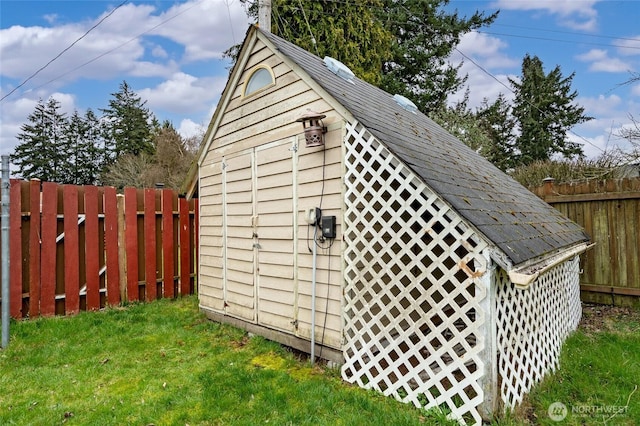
(4, 251)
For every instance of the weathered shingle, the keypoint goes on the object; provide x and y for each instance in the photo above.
(519, 223)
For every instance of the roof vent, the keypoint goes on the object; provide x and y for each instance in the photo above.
(405, 103)
(339, 69)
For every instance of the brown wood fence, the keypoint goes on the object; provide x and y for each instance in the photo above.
(78, 248)
(609, 211)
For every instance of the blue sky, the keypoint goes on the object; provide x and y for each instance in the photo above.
(170, 53)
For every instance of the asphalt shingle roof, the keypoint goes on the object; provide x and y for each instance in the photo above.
(519, 223)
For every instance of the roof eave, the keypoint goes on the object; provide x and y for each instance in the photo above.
(526, 274)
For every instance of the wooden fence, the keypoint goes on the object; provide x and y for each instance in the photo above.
(78, 248)
(610, 213)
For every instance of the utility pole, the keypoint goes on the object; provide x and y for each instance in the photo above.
(264, 15)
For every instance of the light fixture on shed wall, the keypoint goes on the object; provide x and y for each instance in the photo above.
(314, 128)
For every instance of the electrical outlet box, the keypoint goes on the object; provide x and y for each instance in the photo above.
(313, 215)
(328, 226)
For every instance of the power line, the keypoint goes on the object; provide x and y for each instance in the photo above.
(417, 24)
(567, 32)
(63, 51)
(559, 40)
(108, 51)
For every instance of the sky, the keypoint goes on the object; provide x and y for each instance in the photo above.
(170, 54)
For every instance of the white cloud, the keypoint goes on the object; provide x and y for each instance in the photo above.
(15, 113)
(51, 18)
(487, 48)
(183, 93)
(213, 27)
(600, 61)
(159, 52)
(577, 15)
(629, 45)
(128, 44)
(189, 128)
(612, 114)
(488, 54)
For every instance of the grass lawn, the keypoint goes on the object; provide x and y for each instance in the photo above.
(599, 376)
(164, 364)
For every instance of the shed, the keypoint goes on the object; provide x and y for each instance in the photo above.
(446, 283)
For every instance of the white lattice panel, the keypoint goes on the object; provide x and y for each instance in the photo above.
(413, 321)
(532, 325)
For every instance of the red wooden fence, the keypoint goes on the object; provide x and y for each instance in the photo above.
(78, 248)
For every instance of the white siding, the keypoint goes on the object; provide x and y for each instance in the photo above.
(255, 262)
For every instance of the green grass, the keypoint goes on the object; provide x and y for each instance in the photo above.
(599, 373)
(165, 364)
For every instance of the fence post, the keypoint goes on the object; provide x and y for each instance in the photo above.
(122, 251)
(547, 187)
(5, 251)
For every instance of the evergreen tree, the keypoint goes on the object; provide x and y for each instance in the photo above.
(498, 125)
(128, 124)
(85, 152)
(463, 123)
(424, 38)
(347, 31)
(402, 46)
(545, 112)
(42, 153)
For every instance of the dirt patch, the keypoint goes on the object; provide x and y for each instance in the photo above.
(606, 318)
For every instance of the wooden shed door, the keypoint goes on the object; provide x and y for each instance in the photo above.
(259, 283)
(239, 256)
(275, 234)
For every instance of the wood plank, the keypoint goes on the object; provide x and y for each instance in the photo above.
(271, 220)
(92, 246)
(71, 249)
(632, 240)
(613, 290)
(245, 244)
(195, 244)
(239, 186)
(184, 247)
(288, 85)
(111, 245)
(49, 248)
(15, 249)
(167, 243)
(282, 272)
(240, 279)
(241, 294)
(276, 289)
(240, 265)
(243, 232)
(34, 249)
(603, 196)
(276, 320)
(263, 123)
(275, 258)
(275, 233)
(151, 268)
(131, 242)
(283, 193)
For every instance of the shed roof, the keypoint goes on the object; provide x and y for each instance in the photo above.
(520, 224)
